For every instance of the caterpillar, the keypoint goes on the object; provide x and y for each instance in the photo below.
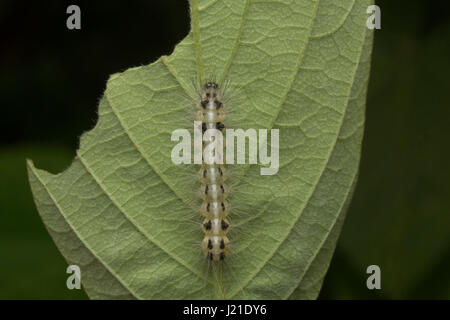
(213, 191)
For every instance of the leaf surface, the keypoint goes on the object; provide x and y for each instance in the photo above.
(128, 216)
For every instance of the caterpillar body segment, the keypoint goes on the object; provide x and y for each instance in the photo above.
(213, 191)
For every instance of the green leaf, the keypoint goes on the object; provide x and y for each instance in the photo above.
(127, 215)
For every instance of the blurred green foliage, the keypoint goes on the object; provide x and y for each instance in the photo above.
(399, 218)
(30, 265)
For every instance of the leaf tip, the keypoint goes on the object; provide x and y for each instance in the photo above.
(30, 166)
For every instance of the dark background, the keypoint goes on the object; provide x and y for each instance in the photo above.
(51, 79)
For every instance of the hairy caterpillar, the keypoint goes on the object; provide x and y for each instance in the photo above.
(212, 189)
(208, 188)
(213, 192)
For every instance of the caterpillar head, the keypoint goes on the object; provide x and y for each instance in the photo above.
(211, 85)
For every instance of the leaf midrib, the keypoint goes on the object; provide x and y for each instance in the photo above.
(198, 47)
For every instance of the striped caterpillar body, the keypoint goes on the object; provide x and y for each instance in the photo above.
(213, 190)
